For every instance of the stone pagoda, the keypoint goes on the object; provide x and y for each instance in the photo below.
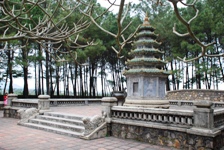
(146, 78)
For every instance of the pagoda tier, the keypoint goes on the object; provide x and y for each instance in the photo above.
(145, 75)
(145, 55)
(146, 52)
(147, 62)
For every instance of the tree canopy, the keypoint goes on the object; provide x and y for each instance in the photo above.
(78, 48)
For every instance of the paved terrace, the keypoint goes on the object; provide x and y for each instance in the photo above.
(15, 137)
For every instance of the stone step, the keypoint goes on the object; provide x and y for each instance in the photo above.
(64, 115)
(61, 120)
(53, 129)
(70, 127)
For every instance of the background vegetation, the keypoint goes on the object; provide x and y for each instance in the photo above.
(100, 66)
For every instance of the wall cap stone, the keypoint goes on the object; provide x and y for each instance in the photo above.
(43, 96)
(12, 95)
(109, 99)
(203, 104)
(192, 90)
(203, 132)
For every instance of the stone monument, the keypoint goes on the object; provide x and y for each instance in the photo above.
(145, 75)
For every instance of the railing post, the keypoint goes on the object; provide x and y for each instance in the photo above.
(43, 103)
(7, 113)
(108, 103)
(11, 96)
(203, 123)
(203, 115)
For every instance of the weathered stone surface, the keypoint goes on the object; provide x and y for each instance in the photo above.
(26, 114)
(176, 139)
(91, 123)
(196, 94)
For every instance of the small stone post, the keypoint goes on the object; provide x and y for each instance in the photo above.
(203, 115)
(11, 96)
(203, 119)
(7, 113)
(108, 103)
(43, 103)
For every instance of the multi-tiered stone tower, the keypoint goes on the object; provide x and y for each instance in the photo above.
(145, 75)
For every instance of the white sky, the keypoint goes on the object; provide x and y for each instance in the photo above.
(106, 4)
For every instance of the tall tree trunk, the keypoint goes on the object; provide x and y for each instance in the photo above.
(57, 80)
(39, 69)
(75, 84)
(198, 75)
(25, 70)
(102, 73)
(173, 77)
(81, 82)
(72, 76)
(35, 74)
(51, 77)
(42, 79)
(47, 73)
(10, 64)
(67, 79)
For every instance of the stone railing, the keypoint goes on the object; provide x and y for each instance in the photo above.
(196, 94)
(163, 116)
(43, 104)
(181, 103)
(188, 104)
(72, 102)
(31, 103)
(218, 118)
(14, 104)
(202, 125)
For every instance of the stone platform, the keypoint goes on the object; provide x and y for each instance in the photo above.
(15, 137)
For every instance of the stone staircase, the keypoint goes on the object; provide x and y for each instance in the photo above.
(65, 124)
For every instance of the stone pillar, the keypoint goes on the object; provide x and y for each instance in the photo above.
(43, 103)
(203, 115)
(108, 103)
(7, 111)
(11, 96)
(203, 119)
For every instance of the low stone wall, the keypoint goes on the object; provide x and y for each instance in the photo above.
(14, 104)
(196, 94)
(201, 127)
(43, 103)
(164, 137)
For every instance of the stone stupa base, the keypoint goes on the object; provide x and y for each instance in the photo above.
(147, 103)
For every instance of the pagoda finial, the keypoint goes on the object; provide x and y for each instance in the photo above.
(146, 20)
(146, 15)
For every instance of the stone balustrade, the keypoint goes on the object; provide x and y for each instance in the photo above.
(218, 118)
(31, 103)
(202, 125)
(43, 104)
(188, 104)
(163, 116)
(181, 103)
(72, 102)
